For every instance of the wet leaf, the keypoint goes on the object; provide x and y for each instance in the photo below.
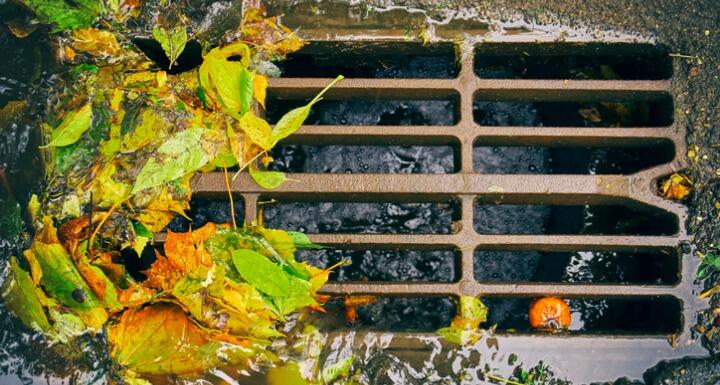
(176, 157)
(161, 210)
(260, 83)
(472, 313)
(187, 252)
(64, 14)
(677, 186)
(259, 271)
(247, 90)
(95, 42)
(172, 42)
(302, 241)
(72, 127)
(161, 339)
(19, 294)
(257, 129)
(63, 282)
(267, 179)
(337, 370)
(293, 120)
(709, 265)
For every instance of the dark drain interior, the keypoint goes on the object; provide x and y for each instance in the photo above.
(503, 172)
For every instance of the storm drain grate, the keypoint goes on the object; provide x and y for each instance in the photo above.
(555, 108)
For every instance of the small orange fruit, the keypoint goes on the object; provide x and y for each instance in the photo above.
(550, 313)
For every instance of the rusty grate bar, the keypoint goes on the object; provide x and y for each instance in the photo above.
(636, 190)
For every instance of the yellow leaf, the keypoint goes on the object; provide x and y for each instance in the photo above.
(162, 339)
(676, 186)
(162, 210)
(257, 129)
(95, 42)
(260, 88)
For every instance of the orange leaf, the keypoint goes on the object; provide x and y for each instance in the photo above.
(677, 186)
(162, 274)
(186, 251)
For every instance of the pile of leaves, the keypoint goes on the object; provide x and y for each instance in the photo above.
(124, 140)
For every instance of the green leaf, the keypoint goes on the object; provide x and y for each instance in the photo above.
(298, 296)
(302, 241)
(337, 370)
(178, 156)
(246, 90)
(267, 179)
(260, 272)
(709, 264)
(62, 281)
(72, 127)
(65, 14)
(294, 119)
(21, 298)
(172, 42)
(141, 230)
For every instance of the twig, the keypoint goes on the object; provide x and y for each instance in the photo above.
(100, 225)
(682, 56)
(502, 379)
(232, 204)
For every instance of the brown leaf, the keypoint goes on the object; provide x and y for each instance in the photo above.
(186, 251)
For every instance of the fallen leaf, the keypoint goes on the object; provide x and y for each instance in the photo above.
(72, 127)
(259, 271)
(162, 339)
(175, 158)
(257, 129)
(267, 179)
(260, 83)
(63, 282)
(677, 186)
(20, 296)
(172, 42)
(96, 42)
(294, 119)
(187, 252)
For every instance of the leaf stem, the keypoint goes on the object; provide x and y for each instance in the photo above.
(502, 379)
(232, 204)
(320, 94)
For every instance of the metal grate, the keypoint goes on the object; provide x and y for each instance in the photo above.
(472, 189)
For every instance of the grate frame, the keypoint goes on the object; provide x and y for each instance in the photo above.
(638, 191)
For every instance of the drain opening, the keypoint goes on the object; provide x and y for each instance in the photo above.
(372, 60)
(370, 112)
(203, 211)
(587, 220)
(387, 265)
(660, 267)
(363, 217)
(636, 315)
(488, 159)
(365, 159)
(656, 112)
(190, 57)
(394, 314)
(572, 61)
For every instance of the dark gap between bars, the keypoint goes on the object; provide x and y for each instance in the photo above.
(492, 159)
(378, 60)
(362, 217)
(556, 219)
(572, 61)
(659, 267)
(645, 315)
(387, 264)
(655, 112)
